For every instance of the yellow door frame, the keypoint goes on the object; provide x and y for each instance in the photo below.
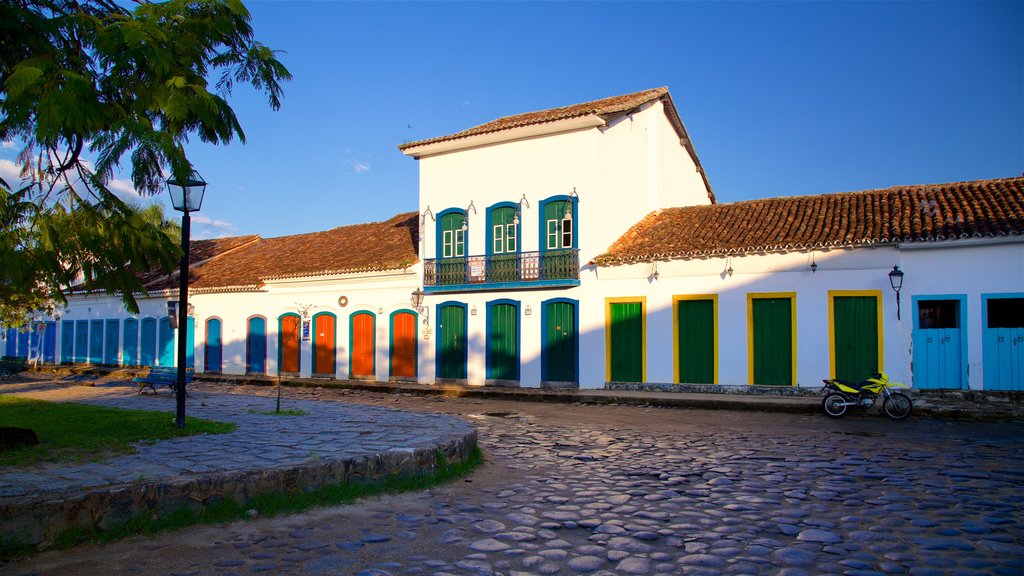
(675, 330)
(751, 296)
(877, 294)
(608, 333)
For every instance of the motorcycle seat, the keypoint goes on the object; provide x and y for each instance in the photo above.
(854, 385)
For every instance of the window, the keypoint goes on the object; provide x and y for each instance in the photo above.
(453, 235)
(504, 223)
(558, 225)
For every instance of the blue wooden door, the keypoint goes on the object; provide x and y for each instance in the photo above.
(23, 337)
(111, 343)
(1003, 342)
(166, 342)
(96, 341)
(34, 351)
(147, 351)
(81, 341)
(11, 342)
(212, 356)
(256, 346)
(67, 342)
(130, 348)
(50, 343)
(190, 344)
(938, 359)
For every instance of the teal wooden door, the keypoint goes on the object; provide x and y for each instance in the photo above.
(626, 324)
(938, 359)
(111, 343)
(190, 344)
(81, 341)
(695, 321)
(503, 342)
(451, 334)
(130, 340)
(256, 346)
(147, 350)
(96, 342)
(67, 342)
(772, 340)
(558, 240)
(560, 347)
(212, 355)
(1003, 343)
(855, 333)
(165, 336)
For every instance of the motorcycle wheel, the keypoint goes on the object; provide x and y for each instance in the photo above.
(834, 406)
(897, 406)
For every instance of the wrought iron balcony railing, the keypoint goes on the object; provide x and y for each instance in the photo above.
(524, 268)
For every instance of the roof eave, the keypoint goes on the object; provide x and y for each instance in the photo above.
(432, 148)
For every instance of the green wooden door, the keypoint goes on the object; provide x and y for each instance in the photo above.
(772, 341)
(560, 346)
(626, 323)
(855, 328)
(503, 342)
(695, 321)
(452, 342)
(502, 266)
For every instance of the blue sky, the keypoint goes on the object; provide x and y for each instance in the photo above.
(779, 98)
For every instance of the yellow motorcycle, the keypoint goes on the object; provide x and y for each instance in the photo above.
(841, 395)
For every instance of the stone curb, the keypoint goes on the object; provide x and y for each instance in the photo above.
(40, 521)
(935, 405)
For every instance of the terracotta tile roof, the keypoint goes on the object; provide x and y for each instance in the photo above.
(366, 247)
(926, 213)
(603, 107)
(607, 108)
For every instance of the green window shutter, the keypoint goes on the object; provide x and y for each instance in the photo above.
(773, 341)
(452, 236)
(696, 340)
(626, 342)
(855, 326)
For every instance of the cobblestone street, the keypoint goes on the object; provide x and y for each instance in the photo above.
(611, 490)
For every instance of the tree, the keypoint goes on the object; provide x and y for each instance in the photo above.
(92, 76)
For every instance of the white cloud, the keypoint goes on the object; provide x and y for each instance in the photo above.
(466, 103)
(10, 172)
(359, 166)
(9, 145)
(124, 189)
(206, 227)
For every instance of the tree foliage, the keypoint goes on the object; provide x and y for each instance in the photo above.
(94, 79)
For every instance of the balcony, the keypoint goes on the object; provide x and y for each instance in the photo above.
(500, 271)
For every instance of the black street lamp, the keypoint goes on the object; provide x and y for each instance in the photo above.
(186, 196)
(896, 281)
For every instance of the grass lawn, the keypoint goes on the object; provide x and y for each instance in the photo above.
(79, 433)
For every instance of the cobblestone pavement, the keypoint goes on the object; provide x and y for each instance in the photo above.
(608, 490)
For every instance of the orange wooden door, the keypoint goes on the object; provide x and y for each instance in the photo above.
(289, 344)
(403, 345)
(362, 344)
(324, 335)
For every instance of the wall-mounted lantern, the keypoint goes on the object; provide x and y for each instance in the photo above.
(896, 281)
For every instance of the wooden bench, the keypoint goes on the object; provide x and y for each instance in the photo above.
(11, 365)
(161, 375)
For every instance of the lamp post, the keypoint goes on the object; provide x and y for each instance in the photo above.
(186, 196)
(896, 281)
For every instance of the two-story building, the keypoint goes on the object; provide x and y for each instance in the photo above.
(582, 246)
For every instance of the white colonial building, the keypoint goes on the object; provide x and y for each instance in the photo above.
(582, 247)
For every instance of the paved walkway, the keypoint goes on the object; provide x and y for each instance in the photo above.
(332, 442)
